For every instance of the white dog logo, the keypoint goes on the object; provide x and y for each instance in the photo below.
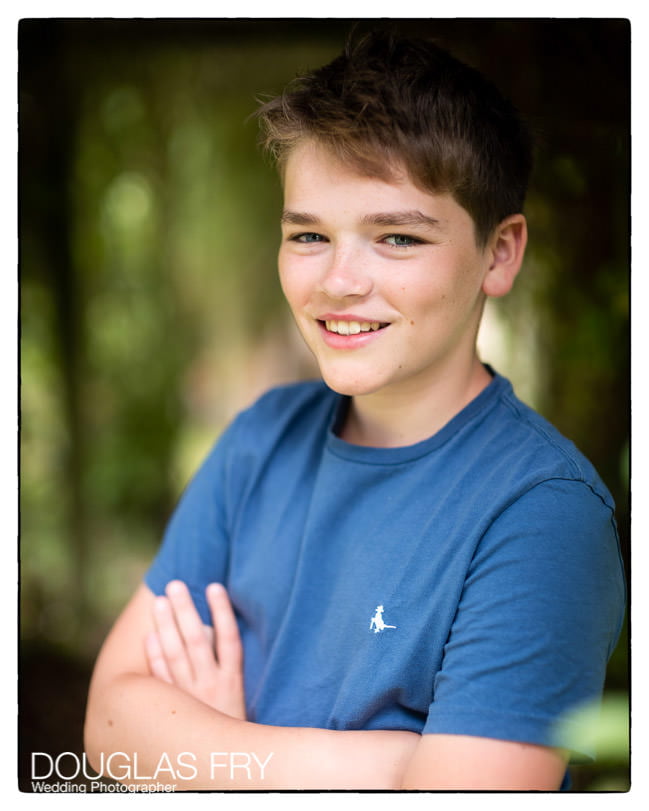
(377, 621)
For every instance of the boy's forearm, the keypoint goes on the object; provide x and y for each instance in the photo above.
(176, 739)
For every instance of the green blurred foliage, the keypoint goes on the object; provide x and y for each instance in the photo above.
(604, 726)
(601, 727)
(150, 311)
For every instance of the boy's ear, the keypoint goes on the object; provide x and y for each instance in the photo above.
(506, 249)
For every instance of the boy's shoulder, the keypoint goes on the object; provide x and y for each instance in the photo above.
(290, 398)
(536, 444)
(307, 404)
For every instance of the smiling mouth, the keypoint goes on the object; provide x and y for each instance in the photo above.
(352, 327)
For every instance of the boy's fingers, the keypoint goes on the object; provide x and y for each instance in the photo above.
(171, 643)
(229, 650)
(155, 657)
(197, 643)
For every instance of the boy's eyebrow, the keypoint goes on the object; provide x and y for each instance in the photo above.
(400, 218)
(389, 218)
(298, 218)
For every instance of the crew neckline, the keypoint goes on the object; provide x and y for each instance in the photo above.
(406, 453)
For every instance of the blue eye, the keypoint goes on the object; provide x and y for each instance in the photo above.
(307, 238)
(402, 241)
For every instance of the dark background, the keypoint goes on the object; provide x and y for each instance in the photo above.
(150, 312)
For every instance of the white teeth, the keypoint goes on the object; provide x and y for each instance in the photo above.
(352, 327)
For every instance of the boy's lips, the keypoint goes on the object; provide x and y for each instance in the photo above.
(355, 323)
(349, 331)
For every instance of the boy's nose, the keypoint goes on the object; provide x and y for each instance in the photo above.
(345, 276)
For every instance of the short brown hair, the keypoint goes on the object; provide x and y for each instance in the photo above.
(389, 101)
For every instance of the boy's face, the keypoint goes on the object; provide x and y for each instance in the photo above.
(384, 279)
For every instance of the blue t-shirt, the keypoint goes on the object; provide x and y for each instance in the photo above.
(470, 583)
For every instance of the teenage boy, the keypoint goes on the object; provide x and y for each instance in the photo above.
(419, 576)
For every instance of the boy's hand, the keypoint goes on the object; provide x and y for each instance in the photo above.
(204, 663)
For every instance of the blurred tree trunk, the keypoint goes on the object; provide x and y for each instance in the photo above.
(47, 148)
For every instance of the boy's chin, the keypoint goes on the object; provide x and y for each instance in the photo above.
(351, 386)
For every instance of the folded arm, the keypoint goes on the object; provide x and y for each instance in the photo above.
(468, 763)
(133, 712)
(172, 700)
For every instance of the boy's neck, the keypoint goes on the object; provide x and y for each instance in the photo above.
(395, 419)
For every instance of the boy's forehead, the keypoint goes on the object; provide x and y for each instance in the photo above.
(310, 154)
(312, 172)
(316, 182)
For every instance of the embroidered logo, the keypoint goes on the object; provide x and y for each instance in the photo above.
(377, 621)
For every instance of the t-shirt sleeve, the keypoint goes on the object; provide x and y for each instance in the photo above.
(538, 618)
(195, 547)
